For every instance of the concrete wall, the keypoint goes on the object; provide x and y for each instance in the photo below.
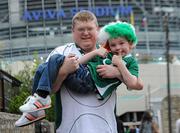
(7, 121)
(175, 113)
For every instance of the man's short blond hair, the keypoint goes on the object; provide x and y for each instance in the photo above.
(84, 16)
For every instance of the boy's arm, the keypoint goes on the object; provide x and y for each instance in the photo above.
(127, 78)
(84, 59)
(130, 80)
(101, 52)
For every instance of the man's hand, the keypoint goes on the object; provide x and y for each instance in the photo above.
(70, 64)
(108, 71)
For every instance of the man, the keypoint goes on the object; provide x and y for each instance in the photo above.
(83, 113)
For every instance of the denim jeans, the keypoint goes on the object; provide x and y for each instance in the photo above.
(80, 81)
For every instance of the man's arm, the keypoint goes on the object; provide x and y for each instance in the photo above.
(109, 71)
(69, 65)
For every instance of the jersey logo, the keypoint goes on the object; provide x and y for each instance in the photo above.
(107, 61)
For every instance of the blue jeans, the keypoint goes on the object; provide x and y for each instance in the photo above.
(80, 81)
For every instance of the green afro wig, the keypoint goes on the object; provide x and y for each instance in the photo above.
(117, 29)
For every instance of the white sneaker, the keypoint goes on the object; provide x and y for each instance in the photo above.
(35, 103)
(28, 118)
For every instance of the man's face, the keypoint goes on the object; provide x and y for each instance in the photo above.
(85, 35)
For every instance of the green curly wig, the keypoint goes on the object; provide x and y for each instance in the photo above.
(118, 29)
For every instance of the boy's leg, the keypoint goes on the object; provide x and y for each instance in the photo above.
(37, 77)
(50, 72)
(80, 81)
(45, 76)
(28, 118)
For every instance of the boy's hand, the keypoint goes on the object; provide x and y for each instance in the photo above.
(116, 59)
(102, 52)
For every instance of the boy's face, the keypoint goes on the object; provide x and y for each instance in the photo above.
(120, 46)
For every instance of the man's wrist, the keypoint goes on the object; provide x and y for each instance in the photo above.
(118, 73)
(63, 74)
(120, 64)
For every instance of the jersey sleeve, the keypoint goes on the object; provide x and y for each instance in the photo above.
(133, 67)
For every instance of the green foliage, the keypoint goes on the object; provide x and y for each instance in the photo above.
(50, 113)
(17, 101)
(26, 77)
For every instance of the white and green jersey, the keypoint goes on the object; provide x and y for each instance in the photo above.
(106, 86)
(83, 113)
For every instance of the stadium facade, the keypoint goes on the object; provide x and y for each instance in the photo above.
(40, 25)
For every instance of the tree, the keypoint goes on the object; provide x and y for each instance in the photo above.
(25, 76)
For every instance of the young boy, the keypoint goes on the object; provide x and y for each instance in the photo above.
(119, 38)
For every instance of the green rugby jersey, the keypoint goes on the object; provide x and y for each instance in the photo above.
(106, 86)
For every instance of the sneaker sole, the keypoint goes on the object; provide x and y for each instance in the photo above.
(30, 122)
(38, 109)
